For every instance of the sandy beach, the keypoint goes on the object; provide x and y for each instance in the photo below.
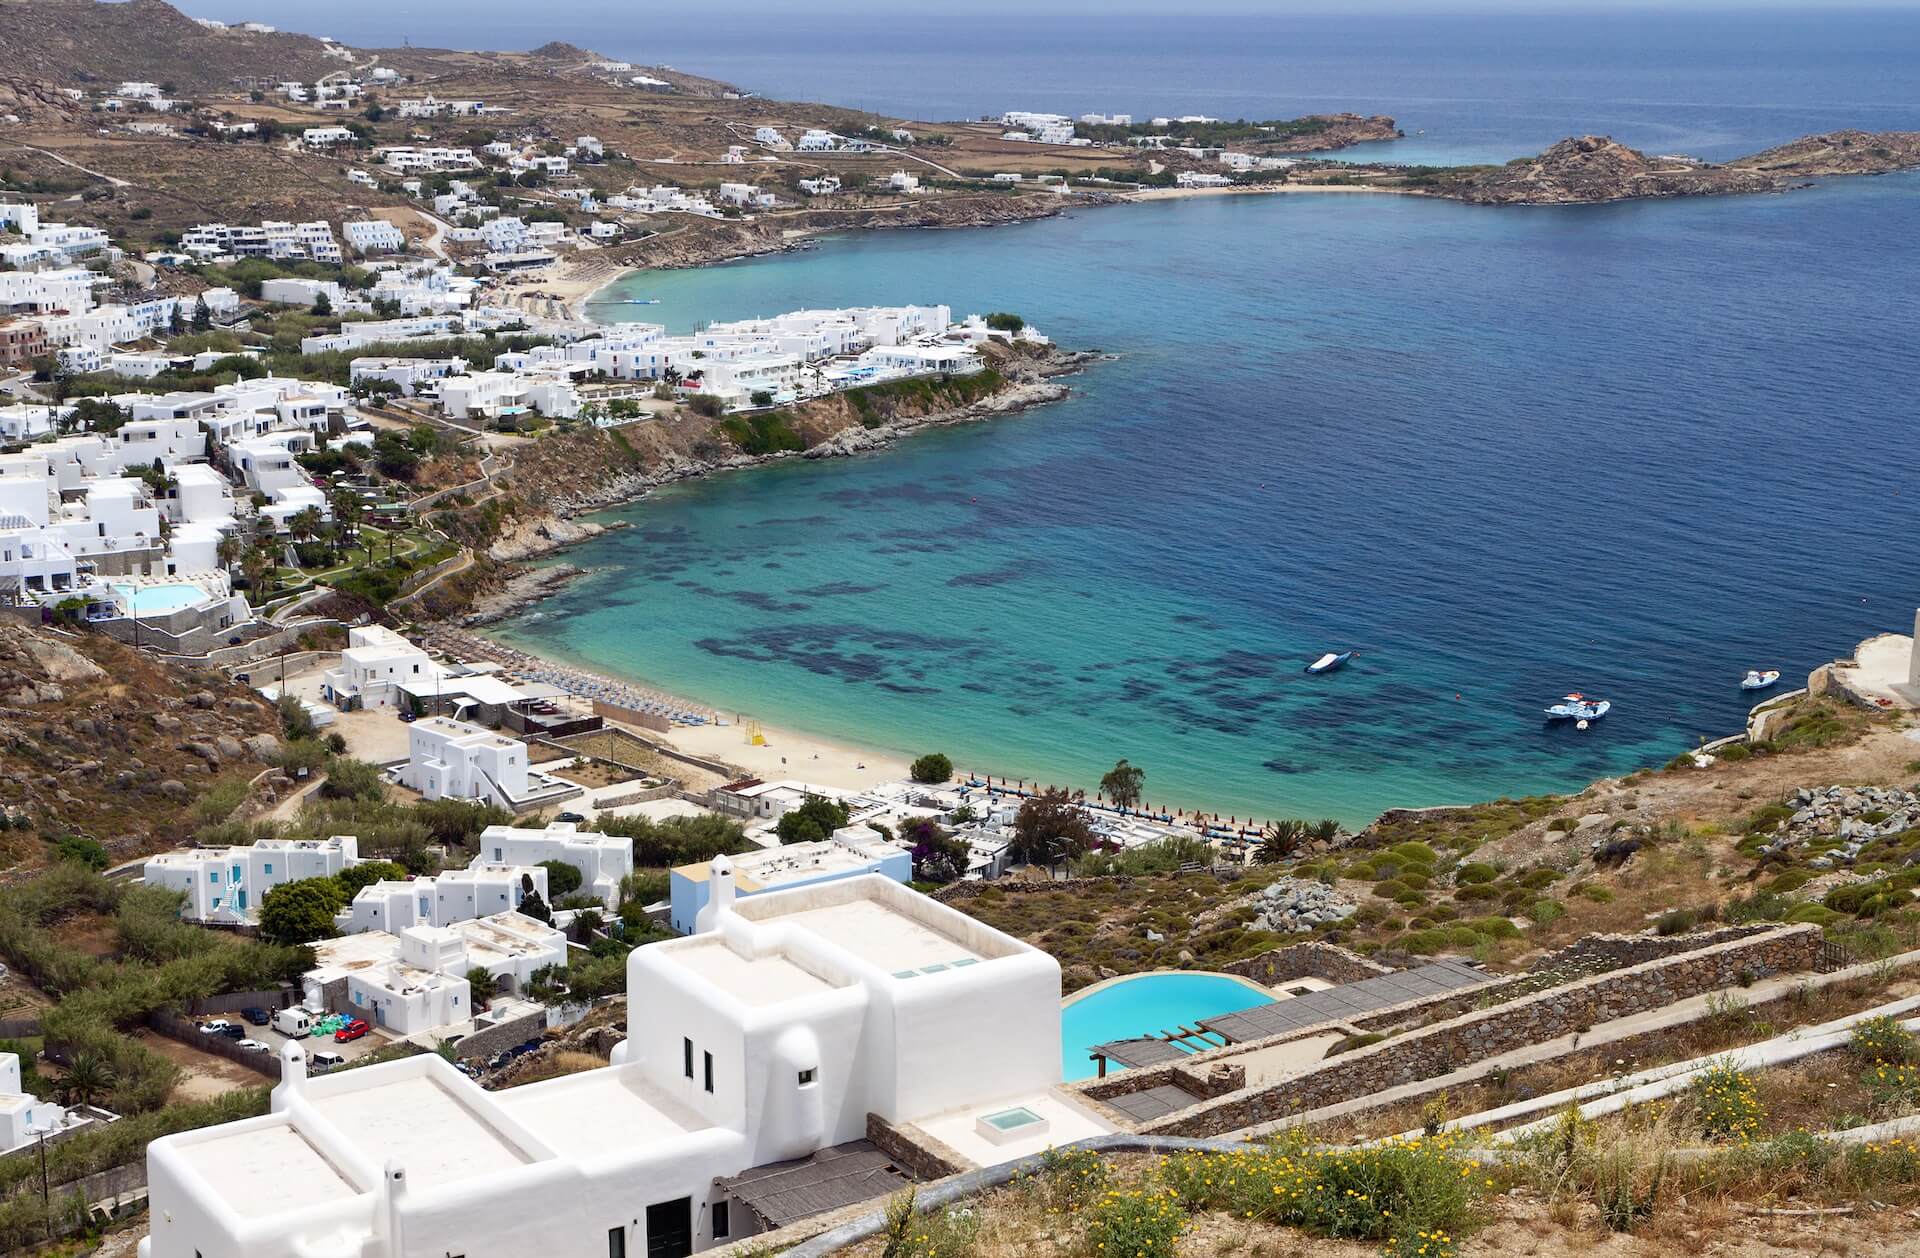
(787, 754)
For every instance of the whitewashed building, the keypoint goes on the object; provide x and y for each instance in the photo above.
(227, 884)
(779, 1034)
(603, 860)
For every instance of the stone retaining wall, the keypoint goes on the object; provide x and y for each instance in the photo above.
(487, 1041)
(1306, 960)
(1446, 1046)
(917, 1153)
(1594, 953)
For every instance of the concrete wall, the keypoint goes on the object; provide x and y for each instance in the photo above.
(1471, 1037)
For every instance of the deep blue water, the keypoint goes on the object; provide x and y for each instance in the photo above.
(1633, 450)
(1482, 87)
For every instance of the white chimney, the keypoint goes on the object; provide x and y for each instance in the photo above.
(719, 896)
(293, 1076)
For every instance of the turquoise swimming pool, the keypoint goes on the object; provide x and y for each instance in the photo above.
(157, 600)
(1145, 1004)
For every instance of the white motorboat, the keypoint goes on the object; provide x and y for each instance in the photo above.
(1577, 707)
(1758, 680)
(1330, 661)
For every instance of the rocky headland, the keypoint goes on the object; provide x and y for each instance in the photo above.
(1591, 169)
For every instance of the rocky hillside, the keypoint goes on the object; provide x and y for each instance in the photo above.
(1839, 153)
(105, 743)
(87, 42)
(1594, 168)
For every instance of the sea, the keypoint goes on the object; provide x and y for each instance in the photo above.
(1499, 454)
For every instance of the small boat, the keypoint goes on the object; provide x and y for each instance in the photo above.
(1330, 661)
(1757, 680)
(1577, 707)
(641, 301)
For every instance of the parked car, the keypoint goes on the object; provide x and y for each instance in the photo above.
(352, 1031)
(256, 1015)
(466, 1069)
(323, 1062)
(500, 1059)
(216, 1026)
(574, 817)
(253, 1046)
(232, 1031)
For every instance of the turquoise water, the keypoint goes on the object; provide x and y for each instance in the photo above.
(1145, 1004)
(1633, 450)
(154, 600)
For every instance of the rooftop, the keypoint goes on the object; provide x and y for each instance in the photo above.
(598, 1111)
(756, 981)
(774, 866)
(878, 934)
(417, 1121)
(267, 1170)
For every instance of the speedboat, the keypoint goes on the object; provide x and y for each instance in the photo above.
(1757, 680)
(1577, 707)
(642, 301)
(1330, 661)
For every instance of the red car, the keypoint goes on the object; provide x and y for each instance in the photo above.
(352, 1031)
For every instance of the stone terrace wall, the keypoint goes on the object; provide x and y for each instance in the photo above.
(1446, 1046)
(1584, 958)
(1306, 960)
(1595, 953)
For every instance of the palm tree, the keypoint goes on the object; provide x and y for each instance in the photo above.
(304, 524)
(1280, 841)
(86, 1081)
(346, 510)
(229, 550)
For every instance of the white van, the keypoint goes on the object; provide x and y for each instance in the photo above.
(320, 1063)
(293, 1023)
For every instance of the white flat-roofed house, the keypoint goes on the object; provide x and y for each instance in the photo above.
(1199, 179)
(294, 291)
(770, 137)
(375, 664)
(903, 181)
(495, 394)
(603, 860)
(374, 236)
(422, 988)
(326, 137)
(24, 1117)
(405, 374)
(771, 1037)
(455, 895)
(449, 759)
(227, 884)
(825, 185)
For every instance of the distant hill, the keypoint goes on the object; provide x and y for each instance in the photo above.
(82, 41)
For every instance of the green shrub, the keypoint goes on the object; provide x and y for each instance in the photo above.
(1595, 892)
(1418, 1195)
(1477, 891)
(1727, 1104)
(1882, 1040)
(1352, 1042)
(1474, 873)
(1142, 1222)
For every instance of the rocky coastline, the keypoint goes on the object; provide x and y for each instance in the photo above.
(560, 524)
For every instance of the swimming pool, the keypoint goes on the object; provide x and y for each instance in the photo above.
(156, 600)
(1145, 1004)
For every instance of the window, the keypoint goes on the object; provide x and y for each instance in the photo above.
(269, 869)
(807, 1078)
(720, 1220)
(213, 875)
(616, 1242)
(686, 1053)
(708, 1070)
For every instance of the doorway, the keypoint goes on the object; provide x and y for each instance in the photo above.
(670, 1229)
